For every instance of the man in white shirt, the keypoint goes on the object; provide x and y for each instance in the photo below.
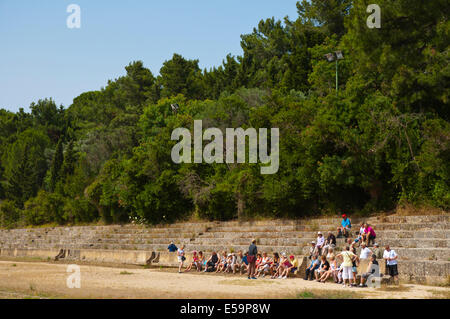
(365, 251)
(320, 243)
(390, 256)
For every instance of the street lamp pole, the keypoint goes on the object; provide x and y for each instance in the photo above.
(336, 56)
(337, 79)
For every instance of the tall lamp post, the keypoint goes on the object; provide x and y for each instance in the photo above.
(336, 56)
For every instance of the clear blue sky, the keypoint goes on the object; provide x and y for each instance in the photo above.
(40, 57)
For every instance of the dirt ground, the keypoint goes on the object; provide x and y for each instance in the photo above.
(19, 279)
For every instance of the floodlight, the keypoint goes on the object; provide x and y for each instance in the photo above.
(174, 107)
(330, 57)
(339, 55)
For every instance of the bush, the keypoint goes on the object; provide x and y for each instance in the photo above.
(45, 208)
(9, 214)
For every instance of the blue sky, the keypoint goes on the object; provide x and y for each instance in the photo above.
(40, 57)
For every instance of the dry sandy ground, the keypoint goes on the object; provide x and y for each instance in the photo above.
(48, 280)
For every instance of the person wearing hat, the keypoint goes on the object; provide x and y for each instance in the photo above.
(346, 226)
(320, 243)
(290, 267)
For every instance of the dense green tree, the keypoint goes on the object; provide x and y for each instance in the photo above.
(181, 76)
(380, 141)
(55, 169)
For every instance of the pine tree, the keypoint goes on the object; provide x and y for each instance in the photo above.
(22, 182)
(55, 170)
(69, 160)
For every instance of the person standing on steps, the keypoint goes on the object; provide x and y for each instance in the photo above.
(251, 258)
(391, 262)
(172, 248)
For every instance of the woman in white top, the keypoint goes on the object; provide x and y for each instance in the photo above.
(181, 258)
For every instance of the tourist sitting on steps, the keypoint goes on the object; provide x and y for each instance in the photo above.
(323, 268)
(241, 263)
(315, 263)
(212, 262)
(312, 249)
(319, 243)
(222, 264)
(332, 271)
(346, 226)
(194, 263)
(264, 267)
(275, 263)
(330, 242)
(371, 270)
(369, 234)
(292, 268)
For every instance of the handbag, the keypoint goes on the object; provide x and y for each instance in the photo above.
(183, 258)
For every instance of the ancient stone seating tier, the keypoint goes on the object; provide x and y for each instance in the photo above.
(422, 242)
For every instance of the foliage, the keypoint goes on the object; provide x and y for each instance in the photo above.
(382, 139)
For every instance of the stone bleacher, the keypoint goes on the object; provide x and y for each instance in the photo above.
(422, 242)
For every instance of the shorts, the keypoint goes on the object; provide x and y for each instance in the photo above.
(354, 269)
(294, 269)
(179, 259)
(347, 272)
(392, 270)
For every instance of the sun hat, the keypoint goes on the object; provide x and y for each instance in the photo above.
(319, 233)
(343, 215)
(313, 242)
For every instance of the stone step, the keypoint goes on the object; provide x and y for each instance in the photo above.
(219, 241)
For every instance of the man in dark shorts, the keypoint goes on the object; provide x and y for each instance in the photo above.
(391, 262)
(251, 258)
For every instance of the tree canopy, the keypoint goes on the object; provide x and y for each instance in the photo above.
(381, 140)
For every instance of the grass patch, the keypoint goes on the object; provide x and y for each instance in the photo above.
(328, 294)
(125, 273)
(14, 265)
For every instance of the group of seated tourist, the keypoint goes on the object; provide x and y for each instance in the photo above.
(323, 263)
(275, 266)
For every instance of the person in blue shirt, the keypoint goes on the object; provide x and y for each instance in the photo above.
(315, 263)
(172, 248)
(345, 228)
